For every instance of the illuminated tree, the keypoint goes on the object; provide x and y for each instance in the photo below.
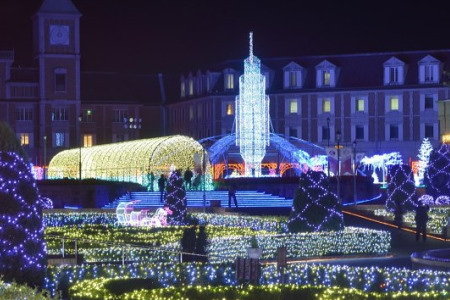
(401, 191)
(424, 157)
(315, 208)
(23, 250)
(176, 199)
(437, 175)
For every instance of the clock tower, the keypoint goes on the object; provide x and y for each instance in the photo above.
(56, 50)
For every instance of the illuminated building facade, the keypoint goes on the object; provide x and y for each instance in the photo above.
(385, 102)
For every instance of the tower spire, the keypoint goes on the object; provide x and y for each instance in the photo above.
(251, 45)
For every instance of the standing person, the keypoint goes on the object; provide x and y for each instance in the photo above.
(232, 194)
(421, 221)
(162, 185)
(151, 179)
(187, 178)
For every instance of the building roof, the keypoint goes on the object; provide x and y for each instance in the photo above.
(58, 6)
(354, 71)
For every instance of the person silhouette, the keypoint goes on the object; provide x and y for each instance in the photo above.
(232, 194)
(162, 185)
(187, 178)
(421, 219)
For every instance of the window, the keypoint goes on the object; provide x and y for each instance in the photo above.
(394, 71)
(293, 106)
(183, 89)
(230, 109)
(60, 79)
(393, 75)
(88, 140)
(87, 115)
(359, 132)
(326, 105)
(60, 114)
(292, 132)
(199, 85)
(359, 104)
(25, 139)
(24, 114)
(191, 113)
(199, 111)
(191, 87)
(393, 132)
(429, 73)
(60, 139)
(429, 102)
(229, 84)
(326, 79)
(119, 115)
(325, 133)
(394, 104)
(429, 131)
(292, 78)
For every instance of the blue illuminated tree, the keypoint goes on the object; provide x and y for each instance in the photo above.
(437, 175)
(401, 191)
(315, 208)
(176, 199)
(22, 250)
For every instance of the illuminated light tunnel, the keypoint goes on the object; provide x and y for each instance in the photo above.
(132, 160)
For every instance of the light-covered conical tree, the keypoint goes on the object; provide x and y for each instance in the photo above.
(315, 208)
(401, 190)
(176, 199)
(437, 175)
(23, 250)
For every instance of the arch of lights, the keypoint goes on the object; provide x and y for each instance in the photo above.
(293, 154)
(131, 161)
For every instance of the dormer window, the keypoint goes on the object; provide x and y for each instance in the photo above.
(199, 85)
(326, 74)
(429, 70)
(326, 78)
(183, 89)
(292, 79)
(292, 76)
(393, 75)
(191, 87)
(394, 71)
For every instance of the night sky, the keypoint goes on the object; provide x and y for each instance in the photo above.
(148, 36)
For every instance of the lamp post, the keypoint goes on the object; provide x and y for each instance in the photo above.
(80, 117)
(338, 140)
(45, 157)
(328, 137)
(354, 172)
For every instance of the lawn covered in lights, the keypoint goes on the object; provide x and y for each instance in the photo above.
(229, 236)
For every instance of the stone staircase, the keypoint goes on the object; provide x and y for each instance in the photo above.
(245, 199)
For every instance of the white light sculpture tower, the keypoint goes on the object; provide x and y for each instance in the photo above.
(252, 115)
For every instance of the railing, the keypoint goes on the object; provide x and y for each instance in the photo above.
(125, 247)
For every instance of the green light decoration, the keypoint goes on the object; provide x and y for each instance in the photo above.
(131, 160)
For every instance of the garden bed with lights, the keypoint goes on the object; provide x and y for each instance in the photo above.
(303, 281)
